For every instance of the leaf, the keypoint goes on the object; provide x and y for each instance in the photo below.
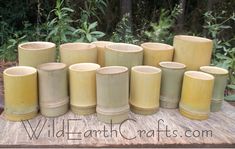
(98, 34)
(67, 9)
(92, 26)
(231, 86)
(88, 36)
(230, 98)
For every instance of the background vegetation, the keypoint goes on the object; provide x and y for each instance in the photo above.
(130, 21)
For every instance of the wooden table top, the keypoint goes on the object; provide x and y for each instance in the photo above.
(166, 128)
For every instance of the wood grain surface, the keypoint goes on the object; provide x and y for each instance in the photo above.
(217, 131)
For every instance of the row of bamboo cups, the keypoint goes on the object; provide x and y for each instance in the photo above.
(111, 78)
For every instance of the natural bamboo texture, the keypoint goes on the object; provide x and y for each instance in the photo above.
(171, 83)
(221, 76)
(53, 89)
(154, 53)
(196, 95)
(145, 89)
(21, 93)
(112, 94)
(123, 54)
(192, 51)
(83, 88)
(72, 53)
(100, 45)
(221, 124)
(36, 53)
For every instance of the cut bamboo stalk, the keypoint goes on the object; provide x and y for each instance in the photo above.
(154, 53)
(21, 96)
(171, 83)
(53, 89)
(221, 76)
(83, 88)
(112, 94)
(145, 89)
(36, 53)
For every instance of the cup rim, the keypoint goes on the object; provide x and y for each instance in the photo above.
(84, 67)
(194, 39)
(145, 69)
(199, 75)
(48, 45)
(159, 46)
(31, 70)
(136, 50)
(51, 66)
(172, 65)
(107, 70)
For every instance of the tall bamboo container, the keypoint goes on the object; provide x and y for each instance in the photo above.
(221, 76)
(112, 94)
(123, 54)
(145, 89)
(196, 95)
(101, 50)
(83, 88)
(171, 83)
(154, 53)
(36, 53)
(72, 53)
(21, 96)
(192, 51)
(53, 89)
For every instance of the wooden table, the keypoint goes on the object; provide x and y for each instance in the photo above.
(142, 131)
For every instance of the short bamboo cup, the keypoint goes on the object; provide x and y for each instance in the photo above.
(72, 53)
(101, 50)
(112, 94)
(53, 89)
(221, 76)
(21, 96)
(83, 88)
(171, 83)
(196, 95)
(145, 89)
(36, 53)
(122, 54)
(157, 52)
(192, 51)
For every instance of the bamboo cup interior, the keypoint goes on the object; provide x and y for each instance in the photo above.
(192, 38)
(52, 66)
(84, 67)
(146, 69)
(199, 75)
(124, 47)
(112, 70)
(20, 71)
(101, 44)
(214, 70)
(77, 46)
(172, 65)
(157, 46)
(36, 45)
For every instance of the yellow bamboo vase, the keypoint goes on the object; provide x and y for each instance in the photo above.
(83, 88)
(192, 51)
(196, 95)
(72, 53)
(112, 94)
(123, 54)
(101, 50)
(221, 76)
(145, 89)
(154, 53)
(21, 93)
(53, 89)
(36, 53)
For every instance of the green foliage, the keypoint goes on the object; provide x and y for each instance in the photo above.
(123, 32)
(160, 31)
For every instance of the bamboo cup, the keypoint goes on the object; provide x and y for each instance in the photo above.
(53, 89)
(112, 94)
(122, 54)
(196, 95)
(21, 96)
(83, 88)
(221, 76)
(157, 52)
(192, 51)
(72, 53)
(36, 53)
(101, 50)
(145, 89)
(171, 83)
